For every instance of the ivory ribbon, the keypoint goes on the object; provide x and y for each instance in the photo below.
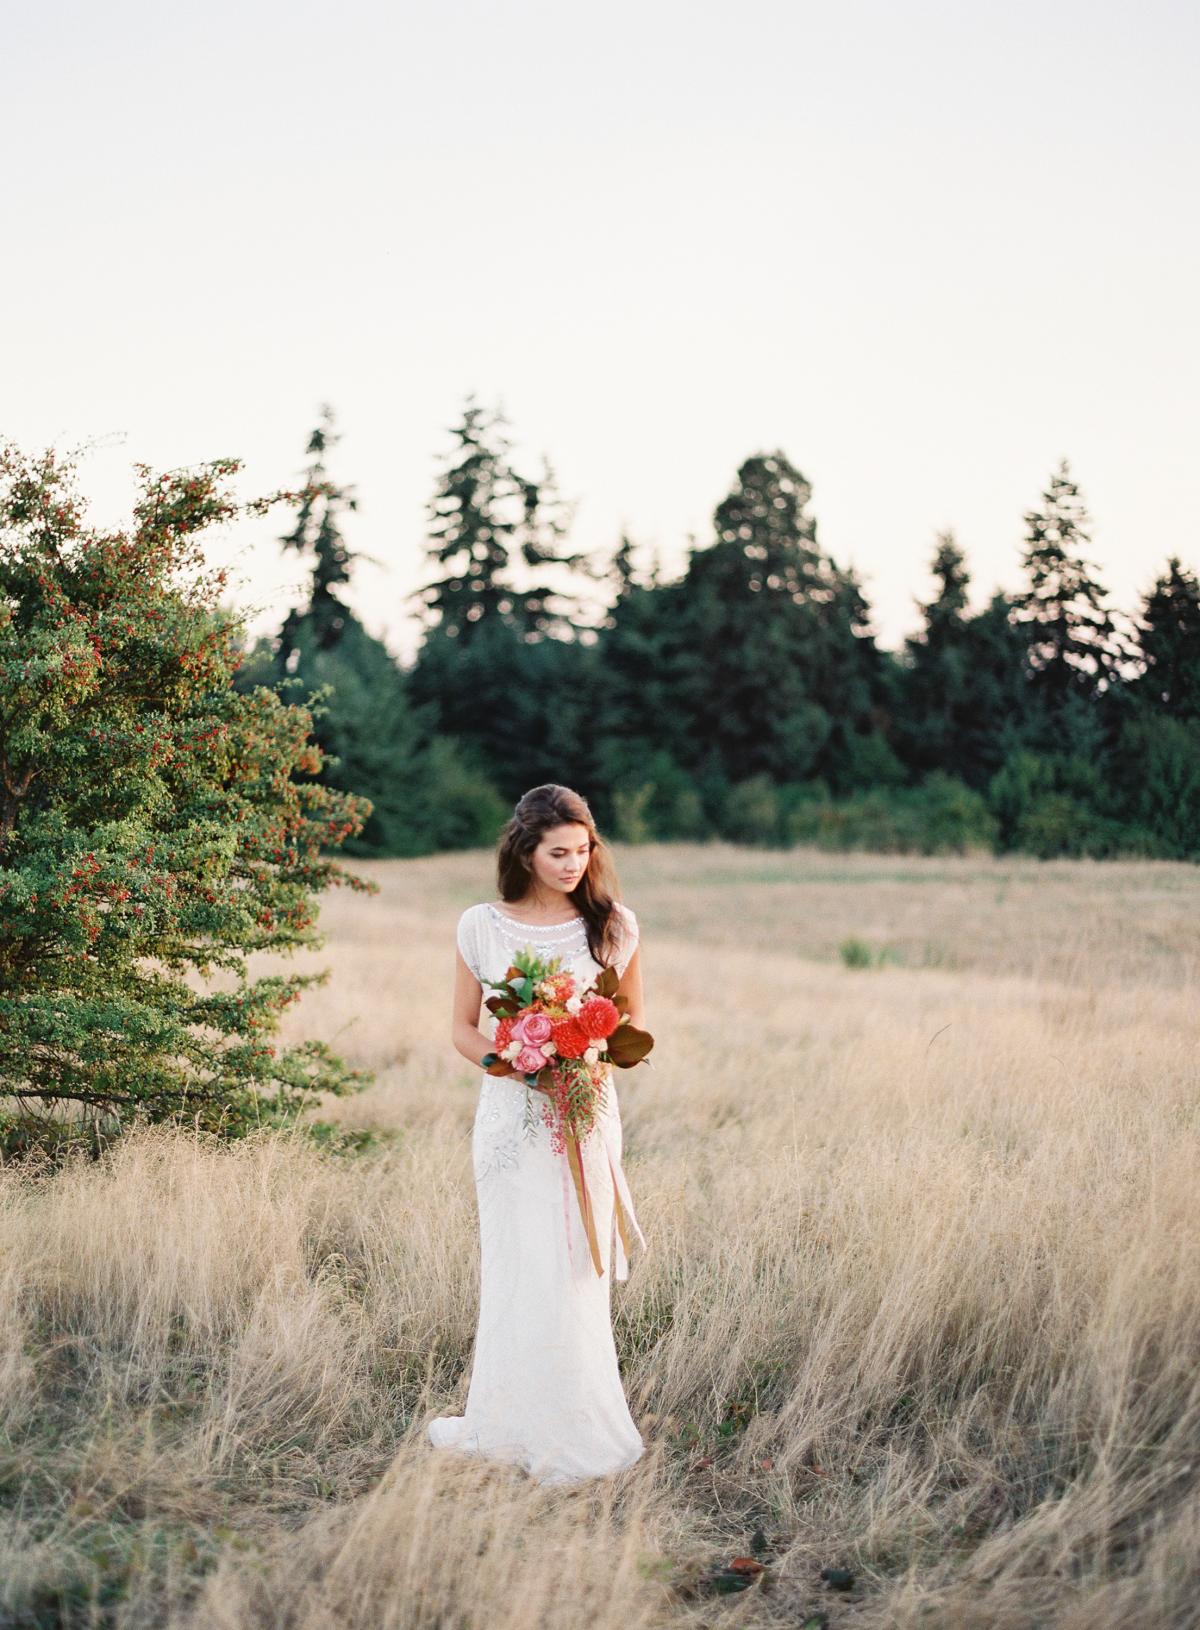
(574, 1160)
(623, 1203)
(622, 1210)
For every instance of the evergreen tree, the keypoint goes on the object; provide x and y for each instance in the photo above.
(425, 795)
(1155, 783)
(765, 537)
(944, 614)
(486, 521)
(652, 690)
(994, 716)
(373, 735)
(1074, 645)
(521, 709)
(543, 609)
(775, 651)
(371, 738)
(1168, 631)
(622, 573)
(318, 530)
(935, 679)
(963, 691)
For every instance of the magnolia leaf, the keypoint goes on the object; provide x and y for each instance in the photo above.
(607, 982)
(627, 1045)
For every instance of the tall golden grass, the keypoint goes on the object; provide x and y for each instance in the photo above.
(920, 1300)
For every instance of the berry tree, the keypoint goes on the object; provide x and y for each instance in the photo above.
(150, 826)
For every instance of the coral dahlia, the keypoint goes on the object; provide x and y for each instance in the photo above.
(599, 1017)
(571, 1039)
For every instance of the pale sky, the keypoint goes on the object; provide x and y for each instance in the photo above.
(924, 249)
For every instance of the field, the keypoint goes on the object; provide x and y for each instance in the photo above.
(917, 1165)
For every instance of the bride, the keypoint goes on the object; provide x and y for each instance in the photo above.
(545, 1392)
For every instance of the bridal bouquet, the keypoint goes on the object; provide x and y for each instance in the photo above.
(560, 1037)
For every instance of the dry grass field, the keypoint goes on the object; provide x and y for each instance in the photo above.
(921, 1299)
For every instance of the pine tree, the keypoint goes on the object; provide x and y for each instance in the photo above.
(1075, 647)
(934, 680)
(622, 567)
(944, 614)
(765, 539)
(370, 738)
(995, 716)
(489, 525)
(771, 638)
(1168, 631)
(544, 610)
(381, 746)
(318, 530)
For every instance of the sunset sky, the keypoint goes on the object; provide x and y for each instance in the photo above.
(926, 250)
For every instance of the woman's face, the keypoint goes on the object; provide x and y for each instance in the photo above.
(561, 858)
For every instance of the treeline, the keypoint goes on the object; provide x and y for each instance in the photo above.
(747, 698)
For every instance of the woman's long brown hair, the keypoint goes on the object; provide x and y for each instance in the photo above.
(595, 895)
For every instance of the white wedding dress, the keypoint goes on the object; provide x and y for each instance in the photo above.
(545, 1392)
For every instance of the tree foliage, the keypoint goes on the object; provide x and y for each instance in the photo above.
(1074, 643)
(317, 533)
(494, 534)
(738, 698)
(1168, 629)
(155, 822)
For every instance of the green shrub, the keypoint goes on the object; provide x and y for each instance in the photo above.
(686, 819)
(629, 812)
(464, 810)
(941, 816)
(948, 817)
(650, 797)
(1157, 772)
(1048, 804)
(157, 823)
(1057, 824)
(751, 812)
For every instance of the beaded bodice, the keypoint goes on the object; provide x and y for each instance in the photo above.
(565, 940)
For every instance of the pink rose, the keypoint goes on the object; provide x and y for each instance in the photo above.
(530, 1060)
(534, 1028)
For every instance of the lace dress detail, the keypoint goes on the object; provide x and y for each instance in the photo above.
(545, 1389)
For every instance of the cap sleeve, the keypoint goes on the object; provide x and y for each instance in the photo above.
(467, 935)
(630, 934)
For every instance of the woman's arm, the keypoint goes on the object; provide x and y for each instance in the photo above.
(630, 986)
(465, 1033)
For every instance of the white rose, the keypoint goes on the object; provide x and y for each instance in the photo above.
(573, 1004)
